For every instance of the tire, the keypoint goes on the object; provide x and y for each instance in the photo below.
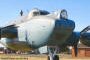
(48, 58)
(56, 57)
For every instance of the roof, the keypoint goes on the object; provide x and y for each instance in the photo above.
(81, 45)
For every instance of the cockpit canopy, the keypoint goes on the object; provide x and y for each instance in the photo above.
(36, 12)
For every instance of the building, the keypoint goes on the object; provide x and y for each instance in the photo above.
(82, 51)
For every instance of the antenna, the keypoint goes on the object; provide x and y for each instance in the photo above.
(21, 13)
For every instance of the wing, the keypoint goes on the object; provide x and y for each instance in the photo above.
(85, 36)
(8, 31)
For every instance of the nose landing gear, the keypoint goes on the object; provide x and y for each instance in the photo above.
(52, 54)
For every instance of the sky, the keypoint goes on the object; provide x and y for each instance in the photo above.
(78, 10)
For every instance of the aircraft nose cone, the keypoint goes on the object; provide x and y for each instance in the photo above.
(38, 30)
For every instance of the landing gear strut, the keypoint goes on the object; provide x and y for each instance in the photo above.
(52, 54)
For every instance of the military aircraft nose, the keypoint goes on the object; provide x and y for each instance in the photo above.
(38, 30)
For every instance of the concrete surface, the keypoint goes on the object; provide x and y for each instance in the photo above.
(37, 57)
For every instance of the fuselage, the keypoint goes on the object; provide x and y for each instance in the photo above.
(39, 31)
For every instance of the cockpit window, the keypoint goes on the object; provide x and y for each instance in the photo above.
(43, 12)
(36, 13)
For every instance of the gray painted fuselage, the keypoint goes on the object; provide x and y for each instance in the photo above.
(40, 31)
